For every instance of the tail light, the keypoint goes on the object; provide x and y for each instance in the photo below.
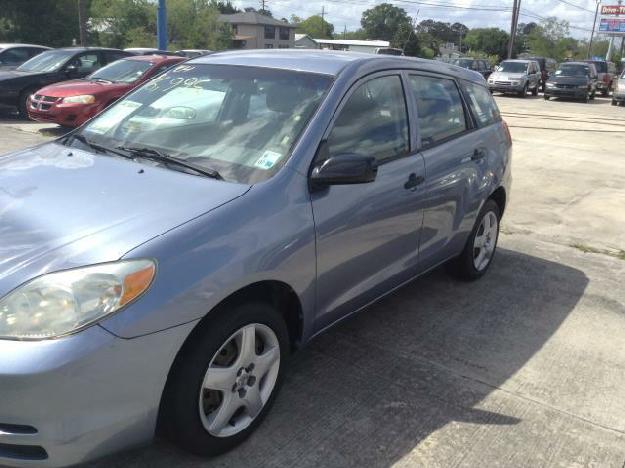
(507, 129)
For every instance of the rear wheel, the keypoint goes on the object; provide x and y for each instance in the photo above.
(614, 103)
(480, 248)
(605, 92)
(523, 93)
(225, 379)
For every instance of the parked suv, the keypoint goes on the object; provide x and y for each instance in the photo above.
(13, 55)
(618, 97)
(481, 66)
(576, 80)
(516, 76)
(162, 261)
(49, 67)
(606, 73)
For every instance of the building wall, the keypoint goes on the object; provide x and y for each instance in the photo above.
(360, 48)
(258, 32)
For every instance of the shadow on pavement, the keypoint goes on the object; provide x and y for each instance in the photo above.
(367, 392)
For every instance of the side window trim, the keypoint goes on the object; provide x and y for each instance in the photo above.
(470, 123)
(345, 98)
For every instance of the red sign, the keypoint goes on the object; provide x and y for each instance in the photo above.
(613, 9)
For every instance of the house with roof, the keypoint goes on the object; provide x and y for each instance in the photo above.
(353, 45)
(252, 30)
(304, 41)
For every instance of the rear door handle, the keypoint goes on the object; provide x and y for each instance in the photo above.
(413, 181)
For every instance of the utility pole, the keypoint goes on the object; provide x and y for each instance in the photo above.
(323, 13)
(515, 9)
(262, 5)
(161, 25)
(82, 22)
(592, 34)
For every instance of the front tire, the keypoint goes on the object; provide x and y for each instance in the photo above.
(523, 93)
(479, 251)
(22, 105)
(225, 379)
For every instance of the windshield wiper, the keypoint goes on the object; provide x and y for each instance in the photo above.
(155, 155)
(95, 146)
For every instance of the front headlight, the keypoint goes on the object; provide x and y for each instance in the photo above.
(550, 85)
(583, 86)
(515, 83)
(59, 303)
(82, 99)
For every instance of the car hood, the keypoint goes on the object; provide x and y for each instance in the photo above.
(578, 80)
(78, 87)
(59, 211)
(503, 76)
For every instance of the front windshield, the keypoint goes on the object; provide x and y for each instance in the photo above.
(513, 67)
(573, 70)
(122, 71)
(47, 61)
(241, 121)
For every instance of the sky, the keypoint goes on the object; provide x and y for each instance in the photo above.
(473, 13)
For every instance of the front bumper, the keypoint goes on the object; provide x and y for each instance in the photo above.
(575, 93)
(502, 88)
(72, 399)
(68, 115)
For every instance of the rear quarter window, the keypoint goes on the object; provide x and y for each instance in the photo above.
(482, 104)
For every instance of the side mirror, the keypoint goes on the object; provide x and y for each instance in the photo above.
(71, 70)
(344, 169)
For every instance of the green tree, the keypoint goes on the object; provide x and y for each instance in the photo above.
(226, 7)
(315, 27)
(52, 23)
(121, 23)
(491, 41)
(194, 24)
(384, 21)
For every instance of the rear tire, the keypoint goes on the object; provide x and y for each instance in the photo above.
(523, 93)
(535, 91)
(479, 251)
(208, 419)
(605, 92)
(614, 103)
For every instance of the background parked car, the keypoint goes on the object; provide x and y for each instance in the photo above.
(607, 72)
(577, 80)
(150, 51)
(71, 103)
(13, 55)
(548, 67)
(190, 53)
(619, 91)
(481, 66)
(516, 76)
(50, 67)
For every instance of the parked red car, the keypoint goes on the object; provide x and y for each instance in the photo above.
(71, 103)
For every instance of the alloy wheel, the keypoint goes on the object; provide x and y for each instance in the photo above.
(485, 241)
(239, 380)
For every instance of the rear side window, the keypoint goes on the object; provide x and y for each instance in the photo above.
(482, 104)
(373, 122)
(15, 56)
(441, 113)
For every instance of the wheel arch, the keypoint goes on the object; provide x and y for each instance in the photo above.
(499, 196)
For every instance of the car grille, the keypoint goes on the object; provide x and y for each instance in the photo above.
(42, 103)
(566, 86)
(502, 83)
(13, 446)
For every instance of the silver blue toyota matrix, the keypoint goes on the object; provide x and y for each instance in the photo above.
(159, 264)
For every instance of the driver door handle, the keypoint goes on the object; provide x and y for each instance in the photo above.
(413, 181)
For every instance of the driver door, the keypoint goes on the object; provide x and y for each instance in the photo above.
(368, 235)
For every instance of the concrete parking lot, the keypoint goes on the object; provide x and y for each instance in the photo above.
(523, 368)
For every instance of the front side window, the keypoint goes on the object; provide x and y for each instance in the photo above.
(373, 122)
(270, 32)
(284, 34)
(241, 121)
(482, 104)
(122, 71)
(87, 63)
(440, 109)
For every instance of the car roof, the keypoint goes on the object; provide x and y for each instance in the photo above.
(84, 49)
(584, 63)
(330, 62)
(8, 45)
(519, 60)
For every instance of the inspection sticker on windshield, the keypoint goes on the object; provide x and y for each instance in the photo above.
(267, 160)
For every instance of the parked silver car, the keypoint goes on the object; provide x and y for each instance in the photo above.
(618, 97)
(516, 77)
(161, 262)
